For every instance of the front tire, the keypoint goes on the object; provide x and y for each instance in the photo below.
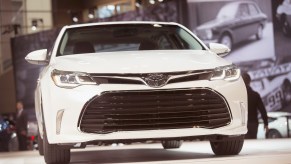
(55, 154)
(259, 34)
(40, 145)
(274, 134)
(173, 144)
(226, 40)
(232, 146)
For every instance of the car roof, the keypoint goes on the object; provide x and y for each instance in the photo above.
(120, 23)
(241, 2)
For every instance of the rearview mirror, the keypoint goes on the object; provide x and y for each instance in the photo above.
(37, 57)
(220, 49)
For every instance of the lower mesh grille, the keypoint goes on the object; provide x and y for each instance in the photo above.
(153, 110)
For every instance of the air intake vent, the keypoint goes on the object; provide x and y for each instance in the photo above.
(153, 110)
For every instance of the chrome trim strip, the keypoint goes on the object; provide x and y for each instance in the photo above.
(141, 74)
(190, 74)
(243, 113)
(59, 118)
(140, 77)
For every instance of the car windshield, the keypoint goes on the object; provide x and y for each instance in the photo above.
(129, 37)
(227, 11)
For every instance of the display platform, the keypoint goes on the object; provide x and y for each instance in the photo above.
(271, 151)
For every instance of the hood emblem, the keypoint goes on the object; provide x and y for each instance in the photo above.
(156, 80)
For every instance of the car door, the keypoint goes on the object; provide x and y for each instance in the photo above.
(241, 29)
(255, 19)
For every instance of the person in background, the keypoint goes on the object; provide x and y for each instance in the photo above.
(21, 126)
(255, 104)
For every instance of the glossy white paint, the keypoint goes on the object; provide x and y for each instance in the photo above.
(219, 49)
(50, 99)
(140, 61)
(37, 57)
(279, 124)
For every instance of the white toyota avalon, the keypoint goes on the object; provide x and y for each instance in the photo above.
(122, 82)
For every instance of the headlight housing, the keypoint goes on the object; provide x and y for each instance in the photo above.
(66, 79)
(229, 73)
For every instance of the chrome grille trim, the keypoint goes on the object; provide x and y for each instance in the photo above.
(139, 78)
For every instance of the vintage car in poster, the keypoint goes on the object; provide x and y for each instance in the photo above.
(235, 22)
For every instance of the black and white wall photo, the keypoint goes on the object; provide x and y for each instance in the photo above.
(258, 33)
(281, 12)
(272, 79)
(244, 26)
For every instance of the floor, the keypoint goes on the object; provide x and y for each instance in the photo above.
(272, 151)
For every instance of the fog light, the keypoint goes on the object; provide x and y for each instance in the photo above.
(59, 120)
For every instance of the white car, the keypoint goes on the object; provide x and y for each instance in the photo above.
(279, 125)
(284, 16)
(136, 81)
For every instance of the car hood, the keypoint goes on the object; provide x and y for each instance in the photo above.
(140, 61)
(213, 23)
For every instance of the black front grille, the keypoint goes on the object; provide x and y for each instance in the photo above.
(113, 80)
(152, 110)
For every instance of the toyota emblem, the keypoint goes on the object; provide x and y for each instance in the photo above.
(155, 80)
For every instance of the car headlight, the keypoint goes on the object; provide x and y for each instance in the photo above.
(229, 73)
(66, 79)
(208, 33)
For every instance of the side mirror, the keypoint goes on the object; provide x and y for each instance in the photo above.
(220, 49)
(37, 57)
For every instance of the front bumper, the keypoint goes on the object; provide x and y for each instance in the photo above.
(64, 129)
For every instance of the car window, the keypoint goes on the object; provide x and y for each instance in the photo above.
(227, 11)
(243, 11)
(132, 37)
(253, 9)
(165, 43)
